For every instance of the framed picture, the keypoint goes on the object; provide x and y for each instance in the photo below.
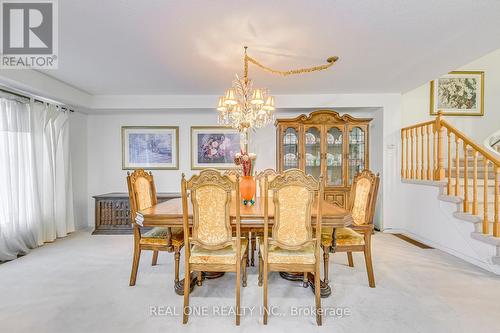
(214, 147)
(458, 94)
(150, 147)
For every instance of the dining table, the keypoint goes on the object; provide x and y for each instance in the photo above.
(170, 214)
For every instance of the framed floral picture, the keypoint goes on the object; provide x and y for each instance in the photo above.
(458, 94)
(150, 147)
(214, 147)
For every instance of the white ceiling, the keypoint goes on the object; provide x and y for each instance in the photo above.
(195, 47)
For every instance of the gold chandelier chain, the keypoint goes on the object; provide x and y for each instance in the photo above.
(330, 63)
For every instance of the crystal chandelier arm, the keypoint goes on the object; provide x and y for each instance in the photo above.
(330, 63)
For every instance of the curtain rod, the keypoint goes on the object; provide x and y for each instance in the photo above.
(34, 99)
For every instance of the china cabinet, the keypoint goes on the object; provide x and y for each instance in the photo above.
(324, 142)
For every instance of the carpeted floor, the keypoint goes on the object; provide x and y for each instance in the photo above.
(80, 284)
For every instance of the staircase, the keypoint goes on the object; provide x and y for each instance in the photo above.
(471, 214)
(436, 153)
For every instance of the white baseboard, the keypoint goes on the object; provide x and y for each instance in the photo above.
(474, 261)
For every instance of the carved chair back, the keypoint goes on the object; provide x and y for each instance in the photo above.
(261, 177)
(363, 197)
(232, 174)
(141, 191)
(293, 196)
(211, 197)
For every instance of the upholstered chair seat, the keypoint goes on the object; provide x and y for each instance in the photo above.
(278, 255)
(160, 236)
(343, 237)
(226, 255)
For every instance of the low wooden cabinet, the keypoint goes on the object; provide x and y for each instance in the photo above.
(112, 212)
(324, 142)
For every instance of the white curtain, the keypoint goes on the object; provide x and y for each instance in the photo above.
(36, 197)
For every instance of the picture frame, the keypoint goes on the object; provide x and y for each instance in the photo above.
(150, 147)
(459, 93)
(214, 147)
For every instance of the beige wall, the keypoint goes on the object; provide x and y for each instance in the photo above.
(415, 103)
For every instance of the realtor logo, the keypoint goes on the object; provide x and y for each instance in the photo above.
(29, 34)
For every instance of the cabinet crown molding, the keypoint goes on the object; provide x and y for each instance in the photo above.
(324, 116)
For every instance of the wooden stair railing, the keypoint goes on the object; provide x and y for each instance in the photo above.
(433, 150)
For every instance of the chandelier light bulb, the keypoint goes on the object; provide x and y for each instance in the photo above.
(236, 111)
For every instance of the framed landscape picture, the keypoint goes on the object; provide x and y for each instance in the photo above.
(150, 147)
(214, 147)
(458, 94)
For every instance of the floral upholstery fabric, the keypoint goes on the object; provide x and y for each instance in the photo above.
(326, 236)
(159, 236)
(343, 237)
(293, 220)
(361, 201)
(212, 221)
(278, 255)
(144, 194)
(223, 256)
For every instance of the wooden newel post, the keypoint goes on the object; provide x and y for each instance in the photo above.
(439, 173)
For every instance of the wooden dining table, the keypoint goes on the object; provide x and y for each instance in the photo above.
(170, 214)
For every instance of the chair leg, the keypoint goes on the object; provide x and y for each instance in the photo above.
(350, 259)
(260, 269)
(305, 281)
(252, 251)
(247, 250)
(177, 261)
(199, 279)
(317, 294)
(155, 258)
(326, 262)
(265, 293)
(238, 291)
(244, 267)
(135, 265)
(187, 280)
(369, 266)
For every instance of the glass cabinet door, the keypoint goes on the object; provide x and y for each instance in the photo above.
(357, 144)
(334, 157)
(290, 149)
(312, 156)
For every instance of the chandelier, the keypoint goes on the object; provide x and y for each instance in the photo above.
(244, 107)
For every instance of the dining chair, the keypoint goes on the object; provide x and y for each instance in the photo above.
(357, 237)
(232, 174)
(211, 247)
(257, 233)
(294, 245)
(261, 177)
(142, 195)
